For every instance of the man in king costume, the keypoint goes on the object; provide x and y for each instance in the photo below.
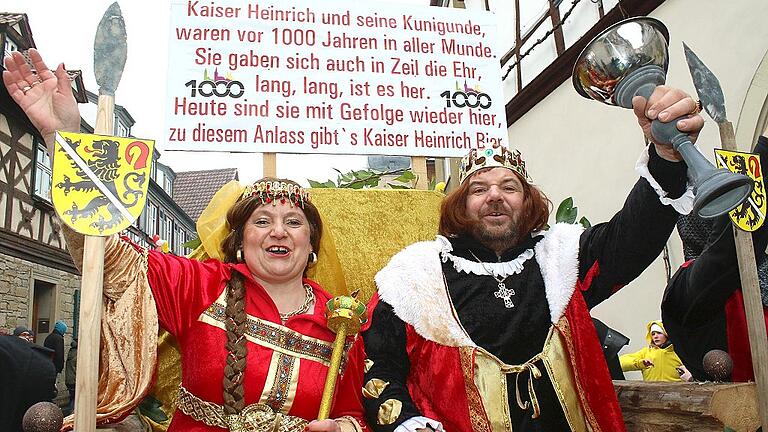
(487, 328)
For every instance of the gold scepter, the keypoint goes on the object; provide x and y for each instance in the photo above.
(345, 314)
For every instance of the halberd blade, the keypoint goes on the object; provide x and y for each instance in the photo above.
(110, 50)
(707, 86)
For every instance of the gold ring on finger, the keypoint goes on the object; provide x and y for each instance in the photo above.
(25, 89)
(697, 107)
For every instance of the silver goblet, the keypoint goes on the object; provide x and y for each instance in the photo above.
(630, 59)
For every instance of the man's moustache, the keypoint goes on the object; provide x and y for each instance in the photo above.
(496, 208)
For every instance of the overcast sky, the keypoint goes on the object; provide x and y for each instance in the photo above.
(64, 32)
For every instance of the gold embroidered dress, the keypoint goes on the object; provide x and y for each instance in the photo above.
(287, 363)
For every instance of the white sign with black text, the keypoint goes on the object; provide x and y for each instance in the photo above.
(332, 77)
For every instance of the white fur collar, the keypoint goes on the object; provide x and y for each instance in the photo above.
(558, 258)
(413, 283)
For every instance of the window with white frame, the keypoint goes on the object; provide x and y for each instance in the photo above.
(153, 174)
(151, 228)
(168, 185)
(9, 46)
(178, 240)
(160, 178)
(121, 129)
(169, 231)
(42, 172)
(161, 226)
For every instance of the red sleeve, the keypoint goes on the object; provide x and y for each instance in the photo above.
(350, 387)
(183, 288)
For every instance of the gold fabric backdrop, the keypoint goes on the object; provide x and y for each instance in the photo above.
(364, 228)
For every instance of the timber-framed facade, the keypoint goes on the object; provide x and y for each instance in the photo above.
(38, 280)
(39, 283)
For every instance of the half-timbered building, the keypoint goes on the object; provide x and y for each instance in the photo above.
(37, 277)
(39, 283)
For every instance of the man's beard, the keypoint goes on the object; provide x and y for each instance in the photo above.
(498, 238)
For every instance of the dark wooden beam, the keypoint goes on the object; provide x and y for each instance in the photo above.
(517, 48)
(38, 253)
(560, 69)
(518, 43)
(554, 14)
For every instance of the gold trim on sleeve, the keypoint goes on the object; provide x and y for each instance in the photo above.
(389, 411)
(374, 388)
(477, 416)
(348, 424)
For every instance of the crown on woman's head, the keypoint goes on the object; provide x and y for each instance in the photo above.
(491, 157)
(274, 191)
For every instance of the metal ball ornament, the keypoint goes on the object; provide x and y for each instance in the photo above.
(43, 417)
(718, 365)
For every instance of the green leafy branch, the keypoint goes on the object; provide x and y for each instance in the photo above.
(567, 213)
(367, 178)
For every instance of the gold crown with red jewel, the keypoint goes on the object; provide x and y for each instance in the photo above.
(492, 157)
(275, 191)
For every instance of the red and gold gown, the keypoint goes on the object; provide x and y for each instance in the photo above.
(286, 363)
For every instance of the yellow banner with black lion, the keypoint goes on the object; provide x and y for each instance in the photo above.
(99, 183)
(750, 215)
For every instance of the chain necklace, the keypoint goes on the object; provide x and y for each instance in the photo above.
(309, 298)
(503, 292)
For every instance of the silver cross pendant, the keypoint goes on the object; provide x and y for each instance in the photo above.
(505, 293)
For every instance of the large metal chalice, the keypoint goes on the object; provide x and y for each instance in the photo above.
(630, 59)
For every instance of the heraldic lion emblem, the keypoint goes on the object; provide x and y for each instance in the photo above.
(99, 173)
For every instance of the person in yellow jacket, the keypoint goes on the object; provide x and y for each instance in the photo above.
(657, 361)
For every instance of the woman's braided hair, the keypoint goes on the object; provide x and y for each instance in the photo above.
(235, 320)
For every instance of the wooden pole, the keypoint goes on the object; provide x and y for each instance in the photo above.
(419, 168)
(269, 164)
(753, 305)
(86, 387)
(87, 381)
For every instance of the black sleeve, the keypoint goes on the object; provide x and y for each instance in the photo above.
(385, 346)
(699, 291)
(623, 247)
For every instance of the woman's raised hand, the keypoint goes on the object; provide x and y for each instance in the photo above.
(45, 97)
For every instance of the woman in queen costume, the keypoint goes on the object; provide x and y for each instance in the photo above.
(251, 328)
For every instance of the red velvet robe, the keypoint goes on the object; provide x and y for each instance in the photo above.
(190, 300)
(443, 358)
(738, 337)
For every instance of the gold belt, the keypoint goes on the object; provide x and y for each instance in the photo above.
(533, 373)
(253, 418)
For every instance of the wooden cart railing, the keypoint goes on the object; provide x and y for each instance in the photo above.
(684, 407)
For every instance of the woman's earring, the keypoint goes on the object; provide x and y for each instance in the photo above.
(239, 255)
(312, 260)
